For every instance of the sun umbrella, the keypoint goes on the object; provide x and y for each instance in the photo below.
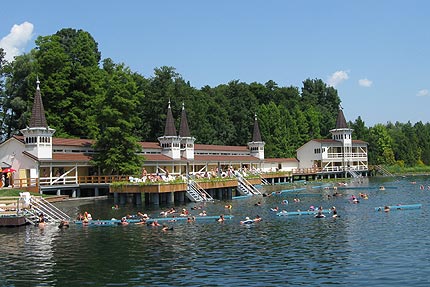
(6, 170)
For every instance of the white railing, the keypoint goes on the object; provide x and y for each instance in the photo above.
(382, 170)
(196, 193)
(49, 210)
(58, 180)
(354, 173)
(342, 168)
(346, 155)
(264, 181)
(246, 187)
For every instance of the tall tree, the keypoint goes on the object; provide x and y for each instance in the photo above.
(117, 144)
(161, 90)
(423, 136)
(361, 132)
(68, 64)
(241, 109)
(3, 113)
(209, 119)
(325, 100)
(273, 130)
(380, 146)
(405, 143)
(17, 96)
(289, 97)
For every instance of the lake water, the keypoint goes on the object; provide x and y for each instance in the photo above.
(361, 248)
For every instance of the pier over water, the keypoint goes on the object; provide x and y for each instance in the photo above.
(128, 189)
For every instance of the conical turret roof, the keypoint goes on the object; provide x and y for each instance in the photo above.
(184, 130)
(256, 135)
(169, 129)
(38, 119)
(341, 122)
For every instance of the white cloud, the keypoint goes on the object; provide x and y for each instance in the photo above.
(16, 41)
(365, 83)
(423, 93)
(337, 77)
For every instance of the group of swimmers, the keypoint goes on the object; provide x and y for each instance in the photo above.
(86, 217)
(42, 220)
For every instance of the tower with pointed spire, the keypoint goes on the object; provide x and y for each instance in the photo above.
(187, 141)
(170, 142)
(256, 146)
(342, 133)
(38, 135)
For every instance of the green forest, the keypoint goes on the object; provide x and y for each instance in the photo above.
(87, 96)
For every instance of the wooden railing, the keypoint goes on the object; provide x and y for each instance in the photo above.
(306, 170)
(346, 155)
(102, 179)
(9, 205)
(46, 181)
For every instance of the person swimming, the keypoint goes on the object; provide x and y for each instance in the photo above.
(247, 221)
(320, 214)
(63, 224)
(221, 218)
(258, 218)
(166, 227)
(123, 221)
(334, 210)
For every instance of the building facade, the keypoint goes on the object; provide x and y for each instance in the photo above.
(36, 155)
(340, 153)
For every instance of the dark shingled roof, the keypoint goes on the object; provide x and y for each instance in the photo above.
(341, 122)
(38, 119)
(170, 129)
(256, 135)
(184, 131)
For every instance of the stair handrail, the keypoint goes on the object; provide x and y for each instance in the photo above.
(46, 213)
(31, 216)
(246, 184)
(206, 196)
(197, 192)
(48, 209)
(353, 173)
(191, 191)
(383, 170)
(264, 181)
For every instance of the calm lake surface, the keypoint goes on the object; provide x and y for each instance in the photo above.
(361, 248)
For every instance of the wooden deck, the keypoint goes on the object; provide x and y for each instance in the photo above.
(9, 212)
(165, 187)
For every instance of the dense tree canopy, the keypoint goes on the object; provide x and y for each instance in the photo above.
(117, 118)
(87, 97)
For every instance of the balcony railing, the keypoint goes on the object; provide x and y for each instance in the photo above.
(346, 155)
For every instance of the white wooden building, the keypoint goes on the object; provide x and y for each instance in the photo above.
(340, 153)
(38, 155)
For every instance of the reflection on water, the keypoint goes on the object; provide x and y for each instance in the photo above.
(361, 248)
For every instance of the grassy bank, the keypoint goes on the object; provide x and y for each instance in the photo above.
(403, 170)
(14, 192)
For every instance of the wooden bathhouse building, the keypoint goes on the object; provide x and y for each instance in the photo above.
(63, 166)
(340, 154)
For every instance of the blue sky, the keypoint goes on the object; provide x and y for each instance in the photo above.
(375, 53)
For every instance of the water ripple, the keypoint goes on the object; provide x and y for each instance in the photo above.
(361, 248)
